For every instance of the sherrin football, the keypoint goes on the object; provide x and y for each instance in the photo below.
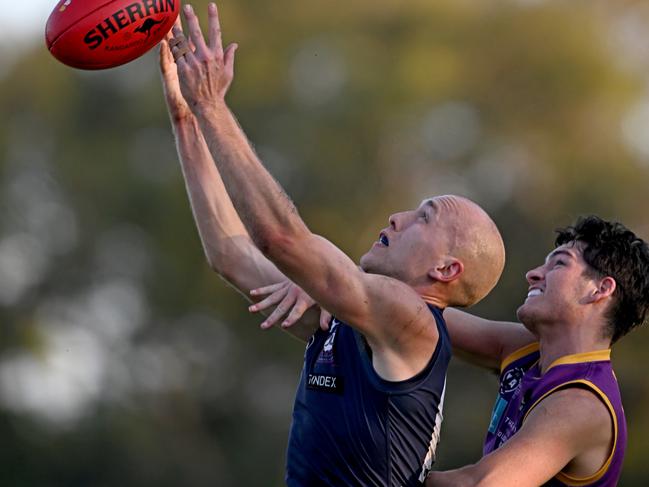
(99, 34)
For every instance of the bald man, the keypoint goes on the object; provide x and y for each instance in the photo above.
(369, 403)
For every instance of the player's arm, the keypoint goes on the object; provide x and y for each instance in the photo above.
(562, 431)
(371, 303)
(484, 342)
(226, 243)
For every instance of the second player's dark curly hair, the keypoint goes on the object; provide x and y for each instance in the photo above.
(613, 250)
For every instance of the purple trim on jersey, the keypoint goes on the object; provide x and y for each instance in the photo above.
(522, 387)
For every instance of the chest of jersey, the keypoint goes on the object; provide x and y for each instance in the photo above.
(522, 387)
(350, 427)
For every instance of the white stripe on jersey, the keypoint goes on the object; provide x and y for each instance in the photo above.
(434, 440)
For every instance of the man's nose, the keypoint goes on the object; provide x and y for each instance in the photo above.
(534, 275)
(398, 220)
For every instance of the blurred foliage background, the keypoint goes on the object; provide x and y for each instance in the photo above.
(125, 361)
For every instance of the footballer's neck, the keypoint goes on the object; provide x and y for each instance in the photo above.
(560, 342)
(434, 299)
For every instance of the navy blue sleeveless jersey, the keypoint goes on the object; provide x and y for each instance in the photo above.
(351, 427)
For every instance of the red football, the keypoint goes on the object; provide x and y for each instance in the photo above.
(99, 34)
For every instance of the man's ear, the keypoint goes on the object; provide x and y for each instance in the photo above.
(447, 272)
(605, 288)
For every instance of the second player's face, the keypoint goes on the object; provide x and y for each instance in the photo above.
(558, 289)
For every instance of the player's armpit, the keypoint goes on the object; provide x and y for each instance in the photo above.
(569, 429)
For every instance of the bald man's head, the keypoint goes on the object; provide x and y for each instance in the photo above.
(474, 240)
(448, 249)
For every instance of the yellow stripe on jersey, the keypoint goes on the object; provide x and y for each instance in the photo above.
(520, 353)
(576, 358)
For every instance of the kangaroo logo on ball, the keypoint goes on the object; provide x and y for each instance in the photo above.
(147, 25)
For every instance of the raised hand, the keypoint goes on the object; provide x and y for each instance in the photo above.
(176, 104)
(205, 72)
(292, 300)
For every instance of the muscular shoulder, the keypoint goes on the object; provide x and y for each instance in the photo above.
(406, 334)
(403, 311)
(577, 415)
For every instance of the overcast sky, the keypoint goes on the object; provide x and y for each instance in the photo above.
(24, 21)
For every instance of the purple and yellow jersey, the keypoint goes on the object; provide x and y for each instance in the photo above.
(523, 387)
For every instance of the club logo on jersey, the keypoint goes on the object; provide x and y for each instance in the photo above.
(511, 380)
(327, 354)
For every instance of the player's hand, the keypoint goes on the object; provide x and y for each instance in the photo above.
(206, 72)
(176, 104)
(293, 302)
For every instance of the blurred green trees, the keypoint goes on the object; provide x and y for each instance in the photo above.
(125, 361)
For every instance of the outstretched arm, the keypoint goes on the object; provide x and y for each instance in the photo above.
(371, 303)
(485, 343)
(227, 245)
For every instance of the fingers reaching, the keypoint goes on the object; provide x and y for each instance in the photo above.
(296, 313)
(228, 57)
(278, 312)
(276, 293)
(164, 56)
(205, 74)
(267, 302)
(214, 39)
(168, 71)
(194, 27)
(260, 291)
(291, 299)
(179, 47)
(177, 27)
